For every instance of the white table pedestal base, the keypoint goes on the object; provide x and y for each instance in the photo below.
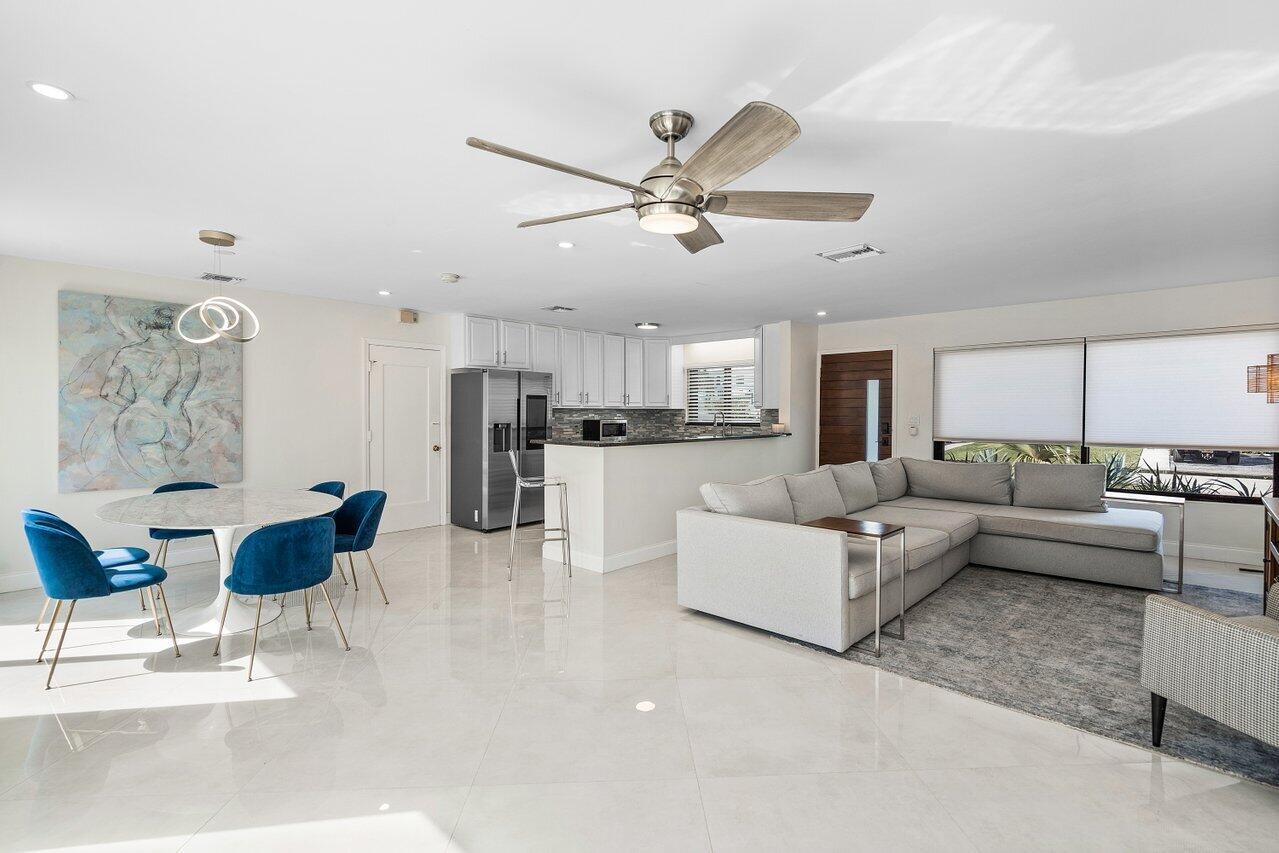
(202, 620)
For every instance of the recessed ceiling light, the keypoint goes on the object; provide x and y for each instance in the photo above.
(450, 277)
(384, 293)
(564, 244)
(821, 313)
(49, 90)
(644, 706)
(648, 325)
(415, 251)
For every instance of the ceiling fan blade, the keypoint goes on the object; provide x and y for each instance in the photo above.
(703, 237)
(813, 207)
(757, 132)
(494, 148)
(581, 214)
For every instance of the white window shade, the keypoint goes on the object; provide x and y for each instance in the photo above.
(1181, 391)
(726, 390)
(1021, 393)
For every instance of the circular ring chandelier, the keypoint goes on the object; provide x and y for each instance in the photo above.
(222, 316)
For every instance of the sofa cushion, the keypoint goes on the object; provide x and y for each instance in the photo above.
(959, 527)
(767, 499)
(1050, 486)
(1129, 529)
(856, 485)
(980, 482)
(890, 479)
(922, 547)
(814, 495)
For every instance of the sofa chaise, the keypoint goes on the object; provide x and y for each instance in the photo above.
(746, 555)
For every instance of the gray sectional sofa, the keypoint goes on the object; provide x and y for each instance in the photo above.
(745, 555)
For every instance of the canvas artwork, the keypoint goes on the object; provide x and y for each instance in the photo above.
(137, 405)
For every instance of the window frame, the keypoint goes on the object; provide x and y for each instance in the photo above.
(729, 365)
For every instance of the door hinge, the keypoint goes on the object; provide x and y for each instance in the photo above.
(368, 436)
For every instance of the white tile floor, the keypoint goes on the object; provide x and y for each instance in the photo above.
(475, 715)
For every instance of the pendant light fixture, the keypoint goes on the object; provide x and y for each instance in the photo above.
(1264, 378)
(222, 316)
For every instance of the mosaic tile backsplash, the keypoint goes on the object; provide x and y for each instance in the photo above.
(649, 423)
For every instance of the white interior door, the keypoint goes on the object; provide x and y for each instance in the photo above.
(406, 413)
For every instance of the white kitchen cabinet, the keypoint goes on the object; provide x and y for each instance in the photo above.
(657, 373)
(570, 368)
(546, 355)
(592, 369)
(634, 394)
(614, 393)
(482, 341)
(517, 345)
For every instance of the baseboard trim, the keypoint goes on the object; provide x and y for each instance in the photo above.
(603, 565)
(1217, 553)
(18, 581)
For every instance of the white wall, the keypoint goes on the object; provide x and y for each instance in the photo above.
(1213, 531)
(739, 351)
(303, 395)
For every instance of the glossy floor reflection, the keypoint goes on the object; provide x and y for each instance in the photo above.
(590, 714)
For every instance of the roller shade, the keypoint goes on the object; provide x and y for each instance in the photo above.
(727, 390)
(1020, 392)
(1185, 390)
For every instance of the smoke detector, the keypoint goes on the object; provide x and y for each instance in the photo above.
(558, 309)
(841, 256)
(450, 277)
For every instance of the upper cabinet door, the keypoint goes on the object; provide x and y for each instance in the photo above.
(634, 372)
(482, 342)
(657, 373)
(592, 369)
(546, 354)
(614, 393)
(517, 345)
(571, 393)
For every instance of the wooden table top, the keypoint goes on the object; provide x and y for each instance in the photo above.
(866, 529)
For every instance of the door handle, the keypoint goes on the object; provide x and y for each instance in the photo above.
(435, 447)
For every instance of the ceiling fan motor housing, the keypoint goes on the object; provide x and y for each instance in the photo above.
(682, 198)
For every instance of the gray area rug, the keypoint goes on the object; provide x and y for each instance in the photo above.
(1064, 650)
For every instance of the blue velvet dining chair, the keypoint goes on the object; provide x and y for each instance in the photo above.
(69, 571)
(337, 489)
(109, 558)
(279, 559)
(357, 520)
(166, 536)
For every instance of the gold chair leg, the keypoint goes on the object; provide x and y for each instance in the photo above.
(155, 611)
(43, 610)
(216, 550)
(253, 652)
(306, 607)
(350, 562)
(57, 608)
(336, 621)
(341, 573)
(164, 553)
(217, 647)
(142, 598)
(58, 651)
(377, 578)
(164, 600)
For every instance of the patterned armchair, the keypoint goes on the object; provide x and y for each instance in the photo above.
(1226, 668)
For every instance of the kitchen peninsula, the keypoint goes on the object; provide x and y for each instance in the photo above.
(623, 493)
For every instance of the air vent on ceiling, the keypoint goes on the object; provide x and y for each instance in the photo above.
(558, 309)
(224, 279)
(840, 256)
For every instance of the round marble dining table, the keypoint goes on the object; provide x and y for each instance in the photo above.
(224, 511)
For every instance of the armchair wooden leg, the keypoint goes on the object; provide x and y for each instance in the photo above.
(377, 578)
(164, 601)
(57, 608)
(1158, 705)
(57, 653)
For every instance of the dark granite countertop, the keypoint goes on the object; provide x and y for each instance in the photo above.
(633, 442)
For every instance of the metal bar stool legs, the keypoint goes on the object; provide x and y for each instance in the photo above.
(566, 543)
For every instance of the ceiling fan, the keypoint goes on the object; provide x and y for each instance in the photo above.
(673, 197)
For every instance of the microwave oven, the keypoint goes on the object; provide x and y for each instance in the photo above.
(595, 429)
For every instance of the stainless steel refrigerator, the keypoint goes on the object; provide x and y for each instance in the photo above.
(494, 411)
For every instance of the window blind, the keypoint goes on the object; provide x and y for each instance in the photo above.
(1185, 390)
(1019, 392)
(726, 390)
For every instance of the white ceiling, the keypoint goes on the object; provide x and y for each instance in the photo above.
(1018, 151)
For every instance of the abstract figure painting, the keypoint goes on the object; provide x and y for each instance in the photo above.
(139, 406)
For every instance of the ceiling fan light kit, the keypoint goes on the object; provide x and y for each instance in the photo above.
(674, 197)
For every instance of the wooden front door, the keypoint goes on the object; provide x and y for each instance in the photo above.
(856, 407)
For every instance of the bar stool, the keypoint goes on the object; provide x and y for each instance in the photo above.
(522, 482)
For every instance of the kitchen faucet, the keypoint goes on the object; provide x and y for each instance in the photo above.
(722, 420)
